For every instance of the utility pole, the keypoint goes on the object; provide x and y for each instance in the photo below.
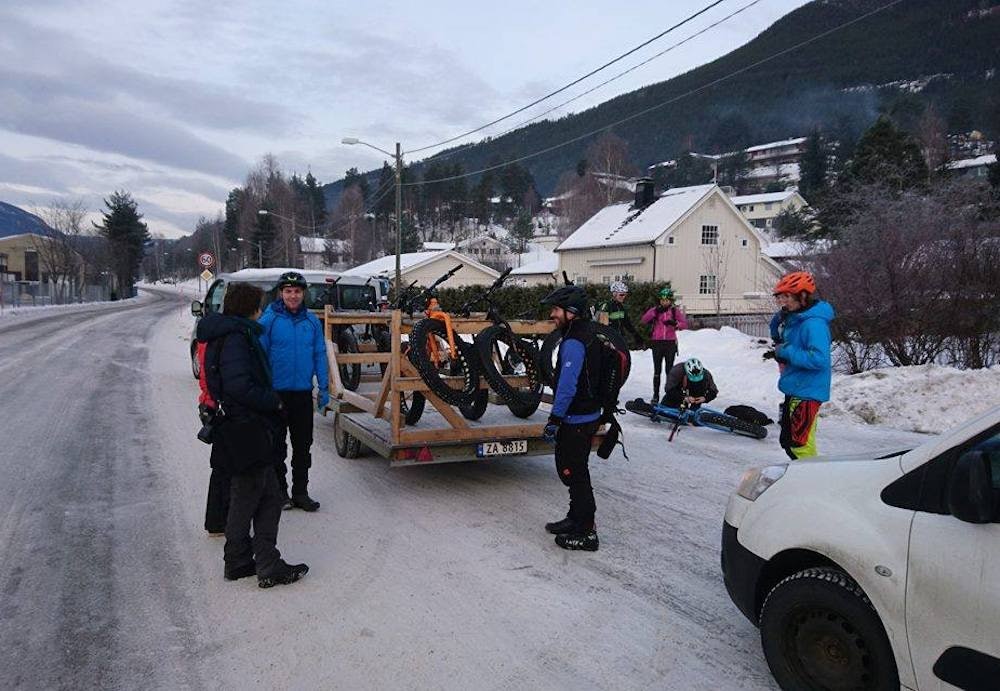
(399, 216)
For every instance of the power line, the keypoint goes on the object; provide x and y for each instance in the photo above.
(572, 83)
(650, 109)
(464, 147)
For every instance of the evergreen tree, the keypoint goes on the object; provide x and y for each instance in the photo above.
(812, 168)
(690, 170)
(353, 177)
(515, 182)
(523, 229)
(123, 228)
(482, 195)
(410, 241)
(317, 200)
(888, 156)
(234, 208)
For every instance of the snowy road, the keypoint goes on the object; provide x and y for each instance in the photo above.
(428, 577)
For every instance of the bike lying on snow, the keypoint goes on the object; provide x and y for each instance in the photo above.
(702, 416)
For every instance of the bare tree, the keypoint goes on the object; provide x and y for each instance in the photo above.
(350, 224)
(608, 159)
(58, 253)
(579, 198)
(932, 136)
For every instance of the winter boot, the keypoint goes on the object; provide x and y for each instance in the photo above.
(304, 502)
(585, 541)
(656, 390)
(286, 502)
(286, 574)
(239, 572)
(566, 525)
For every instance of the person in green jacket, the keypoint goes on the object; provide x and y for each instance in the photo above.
(612, 312)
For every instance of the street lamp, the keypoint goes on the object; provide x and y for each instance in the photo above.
(351, 141)
(260, 260)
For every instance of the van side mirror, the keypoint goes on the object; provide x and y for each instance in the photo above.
(970, 489)
(196, 308)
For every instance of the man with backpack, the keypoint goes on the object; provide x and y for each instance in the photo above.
(804, 355)
(666, 319)
(613, 313)
(576, 414)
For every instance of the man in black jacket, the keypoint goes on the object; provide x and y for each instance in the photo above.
(575, 416)
(689, 382)
(239, 380)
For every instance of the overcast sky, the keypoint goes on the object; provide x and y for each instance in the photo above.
(174, 100)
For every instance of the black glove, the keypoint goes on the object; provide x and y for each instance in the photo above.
(205, 413)
(768, 355)
(551, 429)
(660, 309)
(671, 322)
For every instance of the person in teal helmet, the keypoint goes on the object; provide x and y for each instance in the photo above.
(689, 383)
(665, 319)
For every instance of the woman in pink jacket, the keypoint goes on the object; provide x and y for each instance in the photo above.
(666, 320)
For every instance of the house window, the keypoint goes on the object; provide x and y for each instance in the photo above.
(670, 240)
(750, 208)
(710, 235)
(605, 279)
(767, 206)
(706, 284)
(580, 280)
(744, 242)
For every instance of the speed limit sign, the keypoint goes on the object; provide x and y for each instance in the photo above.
(206, 259)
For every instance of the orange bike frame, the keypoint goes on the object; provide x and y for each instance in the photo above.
(434, 312)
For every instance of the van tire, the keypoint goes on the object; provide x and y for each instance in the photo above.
(195, 365)
(819, 630)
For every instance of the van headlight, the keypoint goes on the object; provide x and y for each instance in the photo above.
(756, 480)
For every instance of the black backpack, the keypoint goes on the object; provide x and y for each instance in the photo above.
(615, 363)
(749, 414)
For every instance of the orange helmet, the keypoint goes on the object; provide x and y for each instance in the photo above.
(795, 283)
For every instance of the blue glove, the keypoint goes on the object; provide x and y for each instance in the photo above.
(323, 400)
(550, 431)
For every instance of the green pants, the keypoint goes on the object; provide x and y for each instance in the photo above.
(798, 427)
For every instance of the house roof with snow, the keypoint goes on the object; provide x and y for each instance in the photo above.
(548, 264)
(985, 160)
(767, 198)
(785, 170)
(776, 145)
(408, 261)
(438, 246)
(622, 224)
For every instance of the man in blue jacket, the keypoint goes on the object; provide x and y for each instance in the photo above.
(295, 344)
(576, 410)
(804, 355)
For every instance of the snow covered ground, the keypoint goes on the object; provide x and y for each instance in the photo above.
(442, 577)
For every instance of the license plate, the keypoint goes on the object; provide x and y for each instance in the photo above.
(502, 448)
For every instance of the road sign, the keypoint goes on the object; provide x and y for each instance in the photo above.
(206, 259)
(207, 275)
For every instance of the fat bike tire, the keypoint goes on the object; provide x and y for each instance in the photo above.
(465, 365)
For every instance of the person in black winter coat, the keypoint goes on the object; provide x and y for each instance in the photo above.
(239, 380)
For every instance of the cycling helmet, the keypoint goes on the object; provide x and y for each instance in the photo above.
(573, 299)
(666, 294)
(795, 283)
(694, 370)
(618, 287)
(292, 279)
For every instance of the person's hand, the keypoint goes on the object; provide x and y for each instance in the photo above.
(660, 309)
(698, 400)
(769, 355)
(323, 401)
(778, 357)
(205, 413)
(550, 431)
(671, 322)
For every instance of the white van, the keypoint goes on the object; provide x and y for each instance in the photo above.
(874, 573)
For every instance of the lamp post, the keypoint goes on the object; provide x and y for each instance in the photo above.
(260, 260)
(398, 156)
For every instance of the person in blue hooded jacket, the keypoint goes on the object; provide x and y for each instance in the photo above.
(804, 354)
(295, 344)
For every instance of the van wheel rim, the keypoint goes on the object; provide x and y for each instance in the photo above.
(826, 650)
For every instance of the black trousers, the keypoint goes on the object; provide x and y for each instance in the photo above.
(299, 426)
(664, 352)
(254, 501)
(573, 444)
(217, 505)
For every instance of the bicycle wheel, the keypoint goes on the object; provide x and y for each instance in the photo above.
(521, 401)
(350, 375)
(728, 423)
(464, 365)
(413, 408)
(476, 407)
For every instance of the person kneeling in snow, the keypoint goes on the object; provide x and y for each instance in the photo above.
(690, 383)
(804, 354)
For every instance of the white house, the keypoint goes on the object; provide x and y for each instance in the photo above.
(315, 254)
(762, 209)
(539, 272)
(426, 267)
(974, 168)
(693, 237)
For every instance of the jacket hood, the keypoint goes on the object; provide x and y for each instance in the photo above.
(217, 325)
(821, 309)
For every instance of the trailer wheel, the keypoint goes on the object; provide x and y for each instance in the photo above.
(348, 446)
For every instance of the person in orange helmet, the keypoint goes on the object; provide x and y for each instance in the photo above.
(804, 353)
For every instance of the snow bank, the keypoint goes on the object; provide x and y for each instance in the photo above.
(29, 312)
(926, 399)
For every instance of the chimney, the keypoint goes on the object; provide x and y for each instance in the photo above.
(644, 193)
